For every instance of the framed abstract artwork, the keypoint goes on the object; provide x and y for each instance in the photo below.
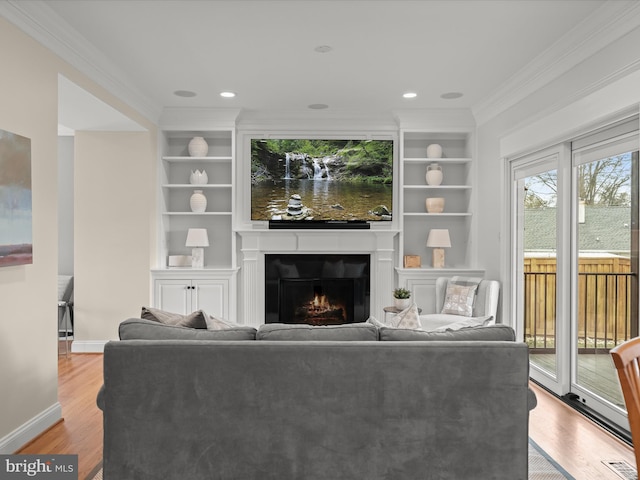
(16, 247)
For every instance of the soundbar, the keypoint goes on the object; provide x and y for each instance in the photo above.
(318, 224)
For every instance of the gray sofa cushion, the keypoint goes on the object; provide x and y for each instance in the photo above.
(344, 332)
(142, 329)
(491, 332)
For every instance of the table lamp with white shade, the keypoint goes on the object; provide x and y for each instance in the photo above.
(197, 238)
(438, 239)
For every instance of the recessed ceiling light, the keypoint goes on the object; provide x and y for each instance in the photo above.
(227, 94)
(451, 95)
(323, 49)
(410, 95)
(318, 106)
(184, 93)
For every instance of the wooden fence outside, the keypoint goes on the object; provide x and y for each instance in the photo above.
(604, 302)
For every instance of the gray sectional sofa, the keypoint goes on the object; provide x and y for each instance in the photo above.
(294, 402)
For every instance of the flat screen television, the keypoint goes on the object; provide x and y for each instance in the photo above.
(321, 180)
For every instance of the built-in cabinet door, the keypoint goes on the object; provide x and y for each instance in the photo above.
(210, 297)
(185, 296)
(173, 296)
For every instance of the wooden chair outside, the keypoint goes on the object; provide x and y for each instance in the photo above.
(626, 358)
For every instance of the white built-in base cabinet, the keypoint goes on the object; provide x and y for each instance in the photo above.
(185, 291)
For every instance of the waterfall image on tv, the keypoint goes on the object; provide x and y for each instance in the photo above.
(310, 179)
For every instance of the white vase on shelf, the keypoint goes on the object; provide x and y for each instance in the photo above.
(434, 151)
(198, 147)
(198, 177)
(434, 174)
(198, 202)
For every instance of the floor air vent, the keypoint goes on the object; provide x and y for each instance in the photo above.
(622, 468)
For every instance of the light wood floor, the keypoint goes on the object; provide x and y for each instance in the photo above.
(80, 431)
(571, 439)
(574, 441)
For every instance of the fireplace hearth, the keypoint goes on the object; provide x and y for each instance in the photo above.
(317, 289)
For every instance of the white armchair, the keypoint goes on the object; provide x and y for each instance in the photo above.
(485, 305)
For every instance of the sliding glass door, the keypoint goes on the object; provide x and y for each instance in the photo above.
(575, 262)
(604, 263)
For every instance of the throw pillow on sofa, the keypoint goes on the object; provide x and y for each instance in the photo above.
(218, 323)
(407, 318)
(460, 296)
(142, 329)
(195, 319)
(459, 300)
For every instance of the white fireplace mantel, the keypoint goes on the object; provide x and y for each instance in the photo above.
(254, 244)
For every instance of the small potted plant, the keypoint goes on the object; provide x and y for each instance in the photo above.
(401, 298)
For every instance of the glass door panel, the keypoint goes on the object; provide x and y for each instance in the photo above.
(605, 273)
(539, 268)
(541, 271)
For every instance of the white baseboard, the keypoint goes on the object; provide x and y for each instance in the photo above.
(30, 430)
(88, 346)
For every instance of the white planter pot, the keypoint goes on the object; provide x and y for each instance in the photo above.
(401, 303)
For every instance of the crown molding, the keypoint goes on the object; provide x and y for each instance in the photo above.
(39, 21)
(436, 119)
(605, 25)
(194, 118)
(330, 119)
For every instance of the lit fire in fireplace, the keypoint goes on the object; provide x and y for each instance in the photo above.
(319, 302)
(320, 311)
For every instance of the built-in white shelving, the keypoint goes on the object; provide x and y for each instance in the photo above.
(176, 190)
(456, 189)
(457, 164)
(212, 288)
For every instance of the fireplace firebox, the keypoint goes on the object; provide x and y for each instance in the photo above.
(317, 289)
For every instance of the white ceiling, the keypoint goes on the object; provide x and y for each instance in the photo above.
(79, 110)
(264, 49)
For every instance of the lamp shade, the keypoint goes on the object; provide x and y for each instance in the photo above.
(438, 238)
(197, 237)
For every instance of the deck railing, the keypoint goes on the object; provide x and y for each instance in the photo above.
(604, 310)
